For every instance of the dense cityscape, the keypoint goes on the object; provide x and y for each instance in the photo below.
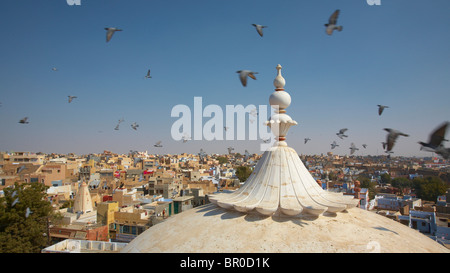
(112, 198)
(196, 79)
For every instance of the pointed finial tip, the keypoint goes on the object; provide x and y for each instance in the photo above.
(279, 81)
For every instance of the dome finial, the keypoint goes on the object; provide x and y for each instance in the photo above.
(279, 81)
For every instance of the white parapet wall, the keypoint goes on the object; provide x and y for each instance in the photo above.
(84, 246)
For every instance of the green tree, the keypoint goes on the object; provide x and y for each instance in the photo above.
(385, 178)
(243, 172)
(429, 188)
(370, 186)
(222, 159)
(24, 212)
(401, 183)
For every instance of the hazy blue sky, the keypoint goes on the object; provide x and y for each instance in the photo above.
(396, 54)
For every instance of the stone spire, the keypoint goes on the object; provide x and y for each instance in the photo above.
(83, 201)
(280, 181)
(280, 100)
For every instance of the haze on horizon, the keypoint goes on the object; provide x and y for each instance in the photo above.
(395, 54)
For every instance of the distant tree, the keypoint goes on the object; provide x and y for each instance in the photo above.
(222, 159)
(368, 184)
(401, 183)
(385, 178)
(24, 212)
(429, 188)
(332, 176)
(243, 172)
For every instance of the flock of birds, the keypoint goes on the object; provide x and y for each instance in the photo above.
(434, 144)
(330, 27)
(435, 140)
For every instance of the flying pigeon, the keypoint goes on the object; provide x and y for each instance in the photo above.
(436, 138)
(353, 148)
(381, 108)
(243, 76)
(71, 98)
(365, 146)
(225, 128)
(331, 26)
(28, 212)
(334, 145)
(341, 133)
(54, 69)
(266, 140)
(15, 202)
(392, 137)
(110, 32)
(186, 137)
(148, 74)
(24, 120)
(134, 125)
(230, 149)
(117, 126)
(259, 28)
(13, 194)
(306, 139)
(158, 144)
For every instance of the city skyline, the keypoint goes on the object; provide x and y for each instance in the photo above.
(193, 49)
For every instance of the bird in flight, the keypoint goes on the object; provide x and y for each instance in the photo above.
(54, 69)
(254, 112)
(259, 28)
(243, 74)
(15, 202)
(353, 148)
(186, 137)
(306, 139)
(332, 21)
(436, 138)
(148, 74)
(110, 32)
(24, 120)
(28, 212)
(117, 126)
(230, 149)
(334, 145)
(381, 109)
(341, 134)
(365, 146)
(134, 125)
(158, 144)
(71, 98)
(392, 137)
